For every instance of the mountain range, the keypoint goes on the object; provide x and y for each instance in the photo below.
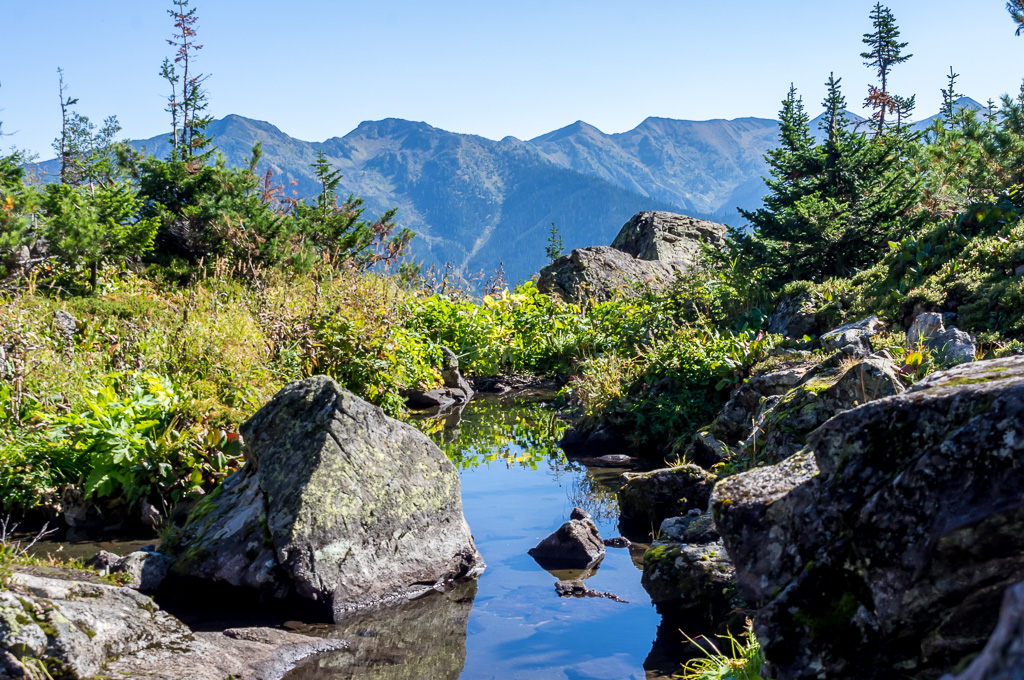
(479, 204)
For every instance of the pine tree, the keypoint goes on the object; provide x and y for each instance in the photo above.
(885, 51)
(62, 145)
(554, 247)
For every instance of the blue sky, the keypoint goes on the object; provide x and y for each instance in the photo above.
(316, 68)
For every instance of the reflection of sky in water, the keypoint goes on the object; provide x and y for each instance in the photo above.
(519, 627)
(516, 489)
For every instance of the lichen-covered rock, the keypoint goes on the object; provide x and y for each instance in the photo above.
(337, 505)
(884, 547)
(77, 626)
(688, 575)
(1003, 656)
(924, 327)
(574, 545)
(667, 237)
(599, 272)
(783, 423)
(651, 249)
(451, 376)
(647, 498)
(733, 425)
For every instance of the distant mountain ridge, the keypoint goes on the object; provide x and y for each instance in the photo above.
(480, 204)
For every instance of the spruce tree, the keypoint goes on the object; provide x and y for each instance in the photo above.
(554, 247)
(1016, 10)
(884, 51)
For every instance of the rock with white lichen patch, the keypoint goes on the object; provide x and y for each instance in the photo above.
(338, 506)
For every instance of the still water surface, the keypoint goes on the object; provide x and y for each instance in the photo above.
(517, 487)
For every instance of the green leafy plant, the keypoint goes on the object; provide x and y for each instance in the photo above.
(743, 660)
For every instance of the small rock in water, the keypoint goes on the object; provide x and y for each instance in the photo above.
(579, 513)
(574, 545)
(577, 588)
(617, 542)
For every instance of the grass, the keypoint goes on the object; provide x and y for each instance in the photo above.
(744, 659)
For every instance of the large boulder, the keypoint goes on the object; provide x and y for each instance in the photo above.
(884, 547)
(649, 252)
(667, 237)
(337, 505)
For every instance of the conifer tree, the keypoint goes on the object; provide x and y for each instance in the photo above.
(1016, 10)
(554, 247)
(190, 105)
(884, 51)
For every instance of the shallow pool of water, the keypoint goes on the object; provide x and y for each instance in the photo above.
(517, 487)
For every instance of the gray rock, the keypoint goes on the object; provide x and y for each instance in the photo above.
(651, 249)
(734, 424)
(647, 498)
(147, 569)
(783, 423)
(667, 237)
(337, 505)
(794, 317)
(103, 561)
(439, 397)
(698, 528)
(617, 542)
(601, 272)
(579, 513)
(574, 545)
(83, 625)
(1003, 655)
(65, 324)
(885, 546)
(852, 338)
(925, 327)
(951, 346)
(452, 377)
(687, 567)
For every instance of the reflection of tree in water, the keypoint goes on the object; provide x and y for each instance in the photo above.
(424, 638)
(595, 491)
(489, 431)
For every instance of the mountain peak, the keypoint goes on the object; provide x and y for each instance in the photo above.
(579, 128)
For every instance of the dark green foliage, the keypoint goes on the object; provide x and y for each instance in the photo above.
(1016, 10)
(17, 202)
(832, 205)
(94, 225)
(554, 247)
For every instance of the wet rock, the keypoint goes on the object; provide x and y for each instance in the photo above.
(706, 450)
(574, 545)
(610, 460)
(1003, 655)
(885, 546)
(689, 575)
(337, 506)
(647, 255)
(577, 588)
(698, 528)
(783, 423)
(617, 542)
(147, 569)
(647, 498)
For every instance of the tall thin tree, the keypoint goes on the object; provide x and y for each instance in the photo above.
(884, 51)
(64, 151)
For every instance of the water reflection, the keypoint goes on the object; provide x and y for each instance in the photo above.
(425, 638)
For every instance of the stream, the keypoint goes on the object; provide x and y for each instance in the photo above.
(517, 487)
